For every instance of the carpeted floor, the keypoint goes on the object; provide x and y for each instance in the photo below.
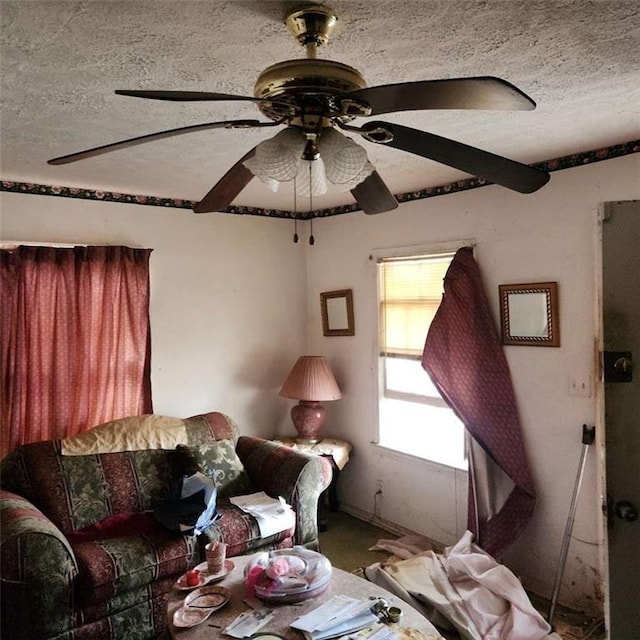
(346, 542)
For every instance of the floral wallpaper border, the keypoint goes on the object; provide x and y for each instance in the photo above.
(557, 164)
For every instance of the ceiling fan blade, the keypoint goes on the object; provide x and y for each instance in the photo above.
(131, 142)
(483, 92)
(188, 96)
(485, 165)
(373, 195)
(227, 188)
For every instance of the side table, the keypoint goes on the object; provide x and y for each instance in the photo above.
(336, 451)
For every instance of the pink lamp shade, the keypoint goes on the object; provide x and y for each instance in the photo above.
(310, 381)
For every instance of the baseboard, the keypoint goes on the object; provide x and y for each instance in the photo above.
(387, 525)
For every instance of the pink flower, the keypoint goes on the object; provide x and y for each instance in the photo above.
(277, 567)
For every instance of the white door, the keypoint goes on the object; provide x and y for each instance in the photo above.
(621, 317)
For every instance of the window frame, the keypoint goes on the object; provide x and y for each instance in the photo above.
(376, 257)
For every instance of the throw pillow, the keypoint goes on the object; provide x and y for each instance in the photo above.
(220, 462)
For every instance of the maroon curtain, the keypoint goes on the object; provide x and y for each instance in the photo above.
(74, 339)
(463, 356)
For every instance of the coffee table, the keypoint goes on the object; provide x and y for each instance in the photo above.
(342, 583)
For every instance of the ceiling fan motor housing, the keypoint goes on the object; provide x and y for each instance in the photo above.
(303, 82)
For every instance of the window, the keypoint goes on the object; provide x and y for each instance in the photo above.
(413, 417)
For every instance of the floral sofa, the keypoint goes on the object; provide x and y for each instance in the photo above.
(82, 556)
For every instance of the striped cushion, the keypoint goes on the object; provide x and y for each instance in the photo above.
(113, 566)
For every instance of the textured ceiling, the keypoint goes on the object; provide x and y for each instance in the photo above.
(62, 60)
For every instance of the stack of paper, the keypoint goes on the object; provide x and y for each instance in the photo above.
(249, 622)
(339, 616)
(273, 515)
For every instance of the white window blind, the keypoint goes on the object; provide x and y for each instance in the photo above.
(411, 291)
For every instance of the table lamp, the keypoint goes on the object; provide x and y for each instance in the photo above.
(310, 381)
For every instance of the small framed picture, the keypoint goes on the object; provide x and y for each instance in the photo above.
(529, 314)
(337, 313)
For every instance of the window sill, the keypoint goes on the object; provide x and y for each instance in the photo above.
(416, 460)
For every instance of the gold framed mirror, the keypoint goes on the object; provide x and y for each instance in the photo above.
(337, 313)
(529, 314)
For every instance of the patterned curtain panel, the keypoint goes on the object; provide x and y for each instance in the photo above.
(464, 357)
(75, 339)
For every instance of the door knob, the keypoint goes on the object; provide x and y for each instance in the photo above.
(626, 511)
(617, 366)
(623, 365)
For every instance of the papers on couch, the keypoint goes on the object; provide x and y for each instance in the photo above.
(273, 515)
(338, 616)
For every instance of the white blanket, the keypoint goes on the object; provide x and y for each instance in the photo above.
(482, 598)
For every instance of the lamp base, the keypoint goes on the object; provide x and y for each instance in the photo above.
(308, 418)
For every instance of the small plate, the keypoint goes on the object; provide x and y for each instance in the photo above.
(186, 617)
(214, 577)
(205, 576)
(207, 599)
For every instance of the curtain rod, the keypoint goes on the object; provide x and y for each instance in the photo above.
(13, 244)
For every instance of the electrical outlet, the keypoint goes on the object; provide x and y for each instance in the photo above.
(580, 387)
(379, 487)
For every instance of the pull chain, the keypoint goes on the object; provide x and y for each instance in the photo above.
(312, 240)
(295, 213)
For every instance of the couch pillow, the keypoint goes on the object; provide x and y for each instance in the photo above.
(219, 461)
(134, 433)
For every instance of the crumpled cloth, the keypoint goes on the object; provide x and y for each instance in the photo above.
(483, 599)
(404, 547)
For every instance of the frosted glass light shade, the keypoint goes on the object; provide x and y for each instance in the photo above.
(343, 158)
(318, 182)
(367, 170)
(279, 157)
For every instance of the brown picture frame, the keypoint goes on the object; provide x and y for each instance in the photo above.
(337, 313)
(529, 314)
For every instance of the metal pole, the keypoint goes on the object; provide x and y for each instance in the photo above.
(588, 436)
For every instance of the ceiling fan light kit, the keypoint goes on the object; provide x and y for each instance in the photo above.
(328, 156)
(313, 97)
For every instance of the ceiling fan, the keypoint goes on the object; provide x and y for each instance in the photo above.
(314, 98)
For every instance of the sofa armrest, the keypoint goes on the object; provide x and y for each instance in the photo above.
(38, 569)
(298, 477)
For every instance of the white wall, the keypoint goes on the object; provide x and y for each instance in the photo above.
(228, 310)
(547, 236)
